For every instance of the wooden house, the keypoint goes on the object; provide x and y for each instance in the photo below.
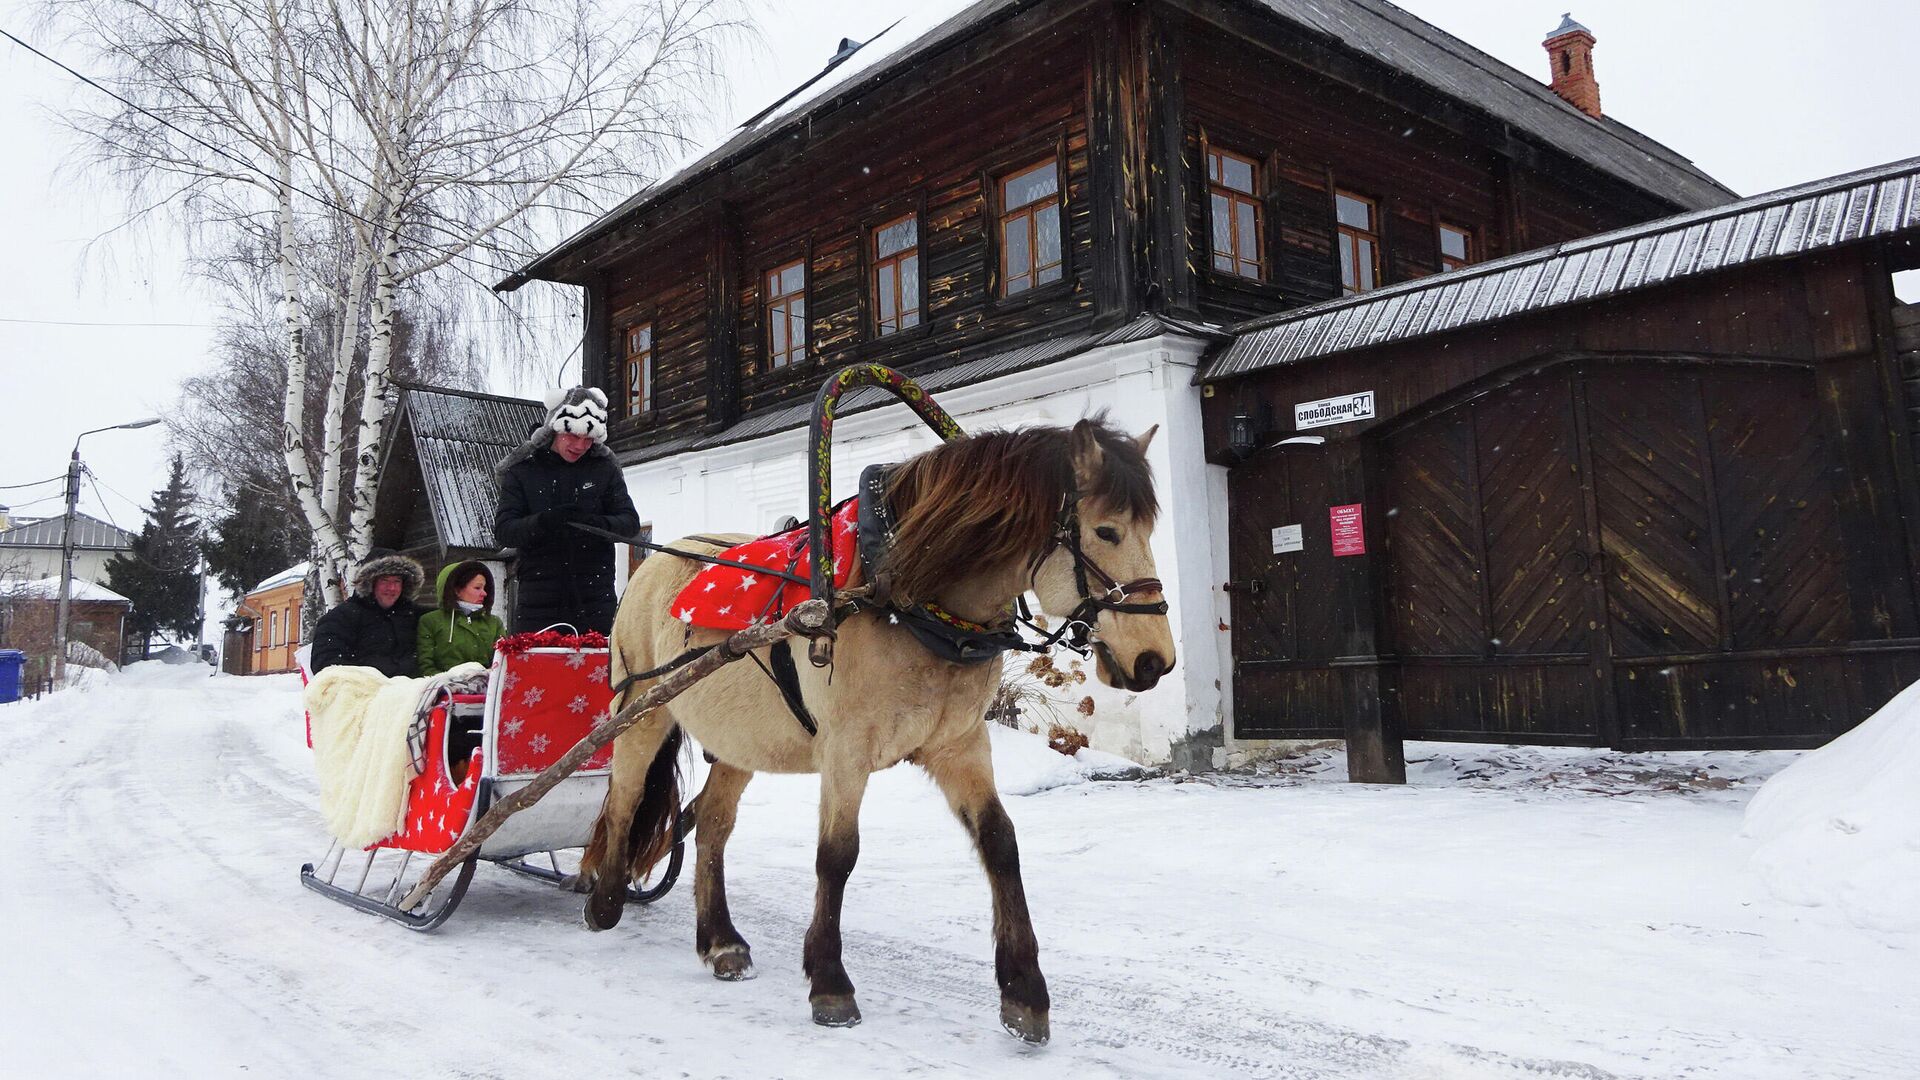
(1044, 208)
(1655, 488)
(271, 635)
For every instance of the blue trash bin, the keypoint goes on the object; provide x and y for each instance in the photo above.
(11, 662)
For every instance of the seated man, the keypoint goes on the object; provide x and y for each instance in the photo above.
(377, 626)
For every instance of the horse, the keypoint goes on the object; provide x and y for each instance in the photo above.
(1064, 513)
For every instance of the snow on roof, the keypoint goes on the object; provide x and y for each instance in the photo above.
(48, 588)
(297, 572)
(89, 533)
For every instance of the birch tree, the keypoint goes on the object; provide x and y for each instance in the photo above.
(376, 148)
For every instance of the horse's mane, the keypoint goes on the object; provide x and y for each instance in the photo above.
(991, 499)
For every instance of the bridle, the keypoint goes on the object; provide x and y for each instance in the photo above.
(1114, 595)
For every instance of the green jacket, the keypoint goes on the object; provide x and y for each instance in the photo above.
(447, 641)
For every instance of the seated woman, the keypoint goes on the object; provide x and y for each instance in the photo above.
(462, 629)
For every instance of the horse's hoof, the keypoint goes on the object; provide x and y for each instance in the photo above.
(835, 1010)
(603, 910)
(732, 964)
(1023, 1022)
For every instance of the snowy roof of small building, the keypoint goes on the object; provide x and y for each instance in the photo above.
(89, 534)
(458, 438)
(48, 588)
(1374, 28)
(1839, 210)
(291, 574)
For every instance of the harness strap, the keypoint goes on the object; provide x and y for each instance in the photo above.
(674, 664)
(786, 678)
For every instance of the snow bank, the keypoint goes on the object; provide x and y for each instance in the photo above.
(159, 674)
(1023, 763)
(1840, 828)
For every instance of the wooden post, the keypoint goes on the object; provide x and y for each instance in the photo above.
(1376, 753)
(809, 618)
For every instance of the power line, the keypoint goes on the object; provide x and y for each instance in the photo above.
(236, 159)
(34, 483)
(211, 326)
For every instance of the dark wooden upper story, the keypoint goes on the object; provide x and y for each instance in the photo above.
(1052, 167)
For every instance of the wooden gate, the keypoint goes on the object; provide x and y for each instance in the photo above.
(1625, 554)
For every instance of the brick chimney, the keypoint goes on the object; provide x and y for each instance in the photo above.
(1570, 51)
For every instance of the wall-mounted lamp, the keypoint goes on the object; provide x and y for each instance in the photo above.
(1243, 435)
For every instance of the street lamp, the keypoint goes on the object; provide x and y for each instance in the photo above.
(66, 545)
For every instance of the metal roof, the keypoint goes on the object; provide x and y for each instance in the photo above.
(1373, 28)
(1040, 353)
(458, 438)
(89, 534)
(1840, 210)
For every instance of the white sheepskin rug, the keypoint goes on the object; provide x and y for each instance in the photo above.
(360, 749)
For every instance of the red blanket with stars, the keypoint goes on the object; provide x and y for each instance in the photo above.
(729, 598)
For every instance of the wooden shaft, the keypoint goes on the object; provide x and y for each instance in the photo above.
(808, 618)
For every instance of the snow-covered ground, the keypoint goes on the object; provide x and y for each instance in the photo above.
(1510, 913)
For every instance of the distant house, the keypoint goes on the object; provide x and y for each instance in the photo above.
(268, 624)
(437, 489)
(29, 608)
(30, 550)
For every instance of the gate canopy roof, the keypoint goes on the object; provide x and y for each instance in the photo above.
(1876, 203)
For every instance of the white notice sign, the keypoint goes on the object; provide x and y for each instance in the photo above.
(1287, 538)
(1333, 410)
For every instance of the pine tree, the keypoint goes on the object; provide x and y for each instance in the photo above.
(162, 573)
(259, 537)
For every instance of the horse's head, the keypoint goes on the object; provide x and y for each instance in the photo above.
(1100, 565)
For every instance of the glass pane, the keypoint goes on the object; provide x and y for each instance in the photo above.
(646, 384)
(1222, 224)
(794, 278)
(910, 283)
(1019, 253)
(1237, 174)
(910, 319)
(777, 319)
(646, 339)
(1046, 232)
(896, 238)
(1051, 273)
(884, 299)
(797, 329)
(1223, 260)
(1354, 212)
(1213, 166)
(1247, 219)
(773, 284)
(1030, 186)
(1366, 264)
(1250, 269)
(1018, 285)
(1349, 280)
(1453, 242)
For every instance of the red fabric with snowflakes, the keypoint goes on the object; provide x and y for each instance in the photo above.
(549, 700)
(729, 598)
(437, 808)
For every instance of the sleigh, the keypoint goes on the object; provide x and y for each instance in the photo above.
(472, 751)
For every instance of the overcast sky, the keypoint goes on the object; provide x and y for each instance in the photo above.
(1760, 94)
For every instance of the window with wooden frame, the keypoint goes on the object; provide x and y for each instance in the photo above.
(1359, 239)
(638, 366)
(1031, 251)
(291, 624)
(896, 275)
(1456, 247)
(785, 310)
(1233, 184)
(273, 628)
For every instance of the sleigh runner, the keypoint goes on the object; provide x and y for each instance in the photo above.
(544, 693)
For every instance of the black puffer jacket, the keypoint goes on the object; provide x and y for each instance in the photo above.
(563, 575)
(362, 633)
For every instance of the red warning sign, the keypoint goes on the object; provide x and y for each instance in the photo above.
(1349, 535)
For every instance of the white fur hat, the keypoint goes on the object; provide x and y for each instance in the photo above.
(579, 411)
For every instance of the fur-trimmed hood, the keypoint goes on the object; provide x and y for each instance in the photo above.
(379, 566)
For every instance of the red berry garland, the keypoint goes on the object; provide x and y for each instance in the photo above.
(549, 639)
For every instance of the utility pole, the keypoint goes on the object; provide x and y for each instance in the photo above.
(66, 546)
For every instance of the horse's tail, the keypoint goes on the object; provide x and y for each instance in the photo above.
(650, 838)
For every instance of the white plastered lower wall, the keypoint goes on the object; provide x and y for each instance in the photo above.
(750, 486)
